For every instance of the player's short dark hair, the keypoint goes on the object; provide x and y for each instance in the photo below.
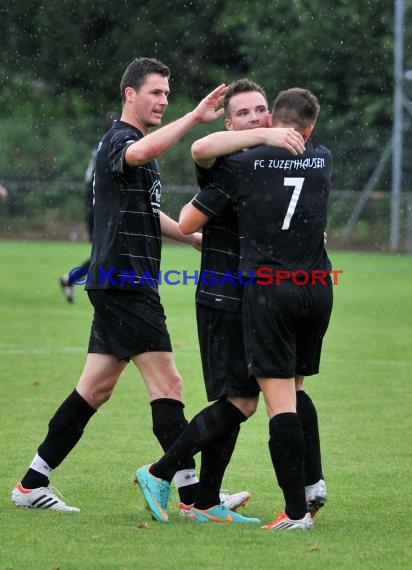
(297, 107)
(240, 86)
(136, 72)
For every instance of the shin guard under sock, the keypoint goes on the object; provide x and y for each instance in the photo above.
(65, 429)
(287, 447)
(309, 420)
(215, 459)
(169, 422)
(207, 426)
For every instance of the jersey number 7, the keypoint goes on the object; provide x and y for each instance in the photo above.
(297, 184)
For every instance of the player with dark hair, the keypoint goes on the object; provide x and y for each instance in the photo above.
(218, 311)
(291, 105)
(281, 202)
(129, 321)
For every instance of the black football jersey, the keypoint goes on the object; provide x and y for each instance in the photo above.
(127, 235)
(218, 285)
(281, 200)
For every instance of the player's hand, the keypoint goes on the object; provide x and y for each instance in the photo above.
(208, 108)
(287, 138)
(197, 241)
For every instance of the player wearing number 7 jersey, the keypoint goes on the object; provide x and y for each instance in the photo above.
(281, 201)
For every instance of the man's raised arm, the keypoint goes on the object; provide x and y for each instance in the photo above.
(154, 144)
(207, 149)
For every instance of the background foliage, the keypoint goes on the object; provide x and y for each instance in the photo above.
(62, 63)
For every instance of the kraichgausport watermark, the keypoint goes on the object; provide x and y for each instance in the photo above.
(115, 277)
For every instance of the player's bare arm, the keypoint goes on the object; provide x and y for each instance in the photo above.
(207, 149)
(191, 219)
(171, 229)
(154, 144)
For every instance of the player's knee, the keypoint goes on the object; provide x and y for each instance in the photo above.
(175, 390)
(97, 397)
(247, 406)
(171, 387)
(250, 407)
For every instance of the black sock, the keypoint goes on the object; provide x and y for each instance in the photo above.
(188, 493)
(309, 421)
(207, 426)
(65, 429)
(215, 459)
(169, 422)
(287, 448)
(34, 479)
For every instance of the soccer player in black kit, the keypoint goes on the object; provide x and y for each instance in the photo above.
(129, 321)
(281, 203)
(218, 312)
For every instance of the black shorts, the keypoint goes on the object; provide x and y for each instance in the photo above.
(284, 326)
(223, 354)
(127, 323)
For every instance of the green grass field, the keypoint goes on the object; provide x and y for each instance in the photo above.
(362, 395)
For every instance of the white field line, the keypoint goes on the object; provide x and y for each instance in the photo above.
(369, 362)
(10, 350)
(41, 350)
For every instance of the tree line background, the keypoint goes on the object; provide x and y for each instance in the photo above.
(62, 63)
